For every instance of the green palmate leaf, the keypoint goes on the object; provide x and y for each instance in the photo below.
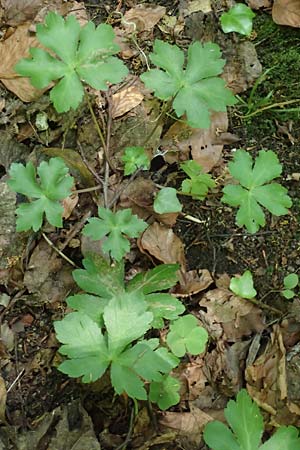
(160, 278)
(165, 392)
(135, 158)
(252, 193)
(99, 277)
(54, 184)
(115, 226)
(163, 306)
(286, 438)
(142, 360)
(80, 54)
(199, 182)
(166, 201)
(219, 437)
(90, 305)
(126, 319)
(239, 18)
(186, 335)
(243, 286)
(84, 344)
(195, 90)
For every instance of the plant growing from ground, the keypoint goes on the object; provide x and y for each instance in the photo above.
(243, 286)
(290, 282)
(255, 189)
(81, 55)
(107, 330)
(54, 184)
(239, 18)
(135, 158)
(166, 201)
(246, 429)
(198, 182)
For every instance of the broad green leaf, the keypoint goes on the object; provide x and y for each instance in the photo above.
(54, 184)
(288, 294)
(253, 193)
(90, 305)
(196, 90)
(245, 420)
(243, 286)
(84, 344)
(186, 335)
(219, 437)
(199, 182)
(79, 55)
(126, 319)
(239, 18)
(286, 438)
(135, 158)
(160, 278)
(142, 360)
(163, 306)
(99, 277)
(165, 392)
(291, 281)
(114, 226)
(166, 201)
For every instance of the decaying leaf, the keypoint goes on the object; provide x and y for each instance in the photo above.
(3, 395)
(143, 17)
(125, 100)
(286, 12)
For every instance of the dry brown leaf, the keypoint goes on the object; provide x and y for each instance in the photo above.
(3, 395)
(125, 100)
(163, 244)
(229, 317)
(192, 282)
(11, 51)
(75, 8)
(189, 7)
(205, 145)
(258, 4)
(144, 17)
(286, 12)
(69, 204)
(17, 12)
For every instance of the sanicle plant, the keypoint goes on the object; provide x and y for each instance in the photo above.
(98, 335)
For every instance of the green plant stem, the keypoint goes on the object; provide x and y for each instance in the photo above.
(129, 433)
(163, 113)
(100, 134)
(274, 105)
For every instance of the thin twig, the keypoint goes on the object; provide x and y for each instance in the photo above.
(90, 189)
(58, 251)
(129, 433)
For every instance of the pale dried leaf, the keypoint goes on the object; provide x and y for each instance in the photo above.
(7, 336)
(193, 282)
(17, 12)
(69, 204)
(143, 17)
(125, 100)
(192, 6)
(11, 51)
(162, 243)
(3, 395)
(286, 12)
(258, 4)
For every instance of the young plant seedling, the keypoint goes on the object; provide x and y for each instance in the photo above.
(196, 90)
(246, 429)
(114, 226)
(290, 282)
(135, 158)
(239, 18)
(243, 286)
(255, 189)
(77, 55)
(100, 334)
(166, 201)
(198, 183)
(54, 184)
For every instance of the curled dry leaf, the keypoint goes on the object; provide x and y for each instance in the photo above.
(286, 12)
(143, 17)
(125, 100)
(11, 51)
(192, 282)
(267, 382)
(163, 244)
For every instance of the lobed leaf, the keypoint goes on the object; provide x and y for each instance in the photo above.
(165, 392)
(186, 335)
(160, 278)
(243, 286)
(239, 18)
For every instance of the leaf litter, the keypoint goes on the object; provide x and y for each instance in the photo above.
(233, 324)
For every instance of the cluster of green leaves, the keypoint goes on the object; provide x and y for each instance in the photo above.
(107, 329)
(290, 282)
(135, 158)
(198, 182)
(114, 226)
(255, 188)
(195, 90)
(77, 54)
(246, 423)
(239, 18)
(54, 184)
